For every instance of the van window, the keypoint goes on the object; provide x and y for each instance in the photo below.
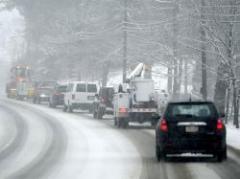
(92, 88)
(81, 88)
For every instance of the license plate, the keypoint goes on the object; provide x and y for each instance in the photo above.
(91, 98)
(191, 129)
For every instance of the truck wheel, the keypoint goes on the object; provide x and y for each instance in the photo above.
(119, 123)
(99, 114)
(94, 114)
(90, 110)
(70, 110)
(115, 121)
(153, 123)
(122, 123)
(64, 108)
(125, 123)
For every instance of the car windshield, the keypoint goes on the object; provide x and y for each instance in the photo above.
(190, 110)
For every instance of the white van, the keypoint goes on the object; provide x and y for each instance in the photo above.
(80, 95)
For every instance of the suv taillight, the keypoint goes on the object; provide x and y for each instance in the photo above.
(220, 125)
(163, 125)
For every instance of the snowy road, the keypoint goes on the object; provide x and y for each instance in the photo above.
(38, 142)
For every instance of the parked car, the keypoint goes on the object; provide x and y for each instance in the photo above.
(42, 94)
(57, 95)
(103, 103)
(191, 127)
(80, 95)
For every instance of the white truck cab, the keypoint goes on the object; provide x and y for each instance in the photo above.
(80, 95)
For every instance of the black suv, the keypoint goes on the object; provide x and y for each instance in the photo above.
(103, 103)
(191, 127)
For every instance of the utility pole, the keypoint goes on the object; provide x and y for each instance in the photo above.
(125, 42)
(203, 52)
(185, 77)
(175, 48)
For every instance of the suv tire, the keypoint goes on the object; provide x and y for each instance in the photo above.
(158, 153)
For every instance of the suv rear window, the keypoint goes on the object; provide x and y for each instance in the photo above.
(107, 92)
(200, 110)
(81, 88)
(92, 88)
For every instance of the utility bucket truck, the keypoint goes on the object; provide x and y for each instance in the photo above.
(136, 102)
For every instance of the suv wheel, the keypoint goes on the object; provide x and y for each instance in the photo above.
(158, 153)
(222, 155)
(225, 154)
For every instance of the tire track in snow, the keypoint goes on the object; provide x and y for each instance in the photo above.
(145, 143)
(50, 155)
(18, 141)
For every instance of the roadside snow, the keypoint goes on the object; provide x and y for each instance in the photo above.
(233, 136)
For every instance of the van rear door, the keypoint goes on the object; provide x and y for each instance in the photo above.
(80, 94)
(91, 91)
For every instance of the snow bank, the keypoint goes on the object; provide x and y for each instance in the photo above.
(233, 136)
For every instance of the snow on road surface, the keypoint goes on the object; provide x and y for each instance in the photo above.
(93, 150)
(233, 136)
(104, 152)
(6, 125)
(30, 148)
